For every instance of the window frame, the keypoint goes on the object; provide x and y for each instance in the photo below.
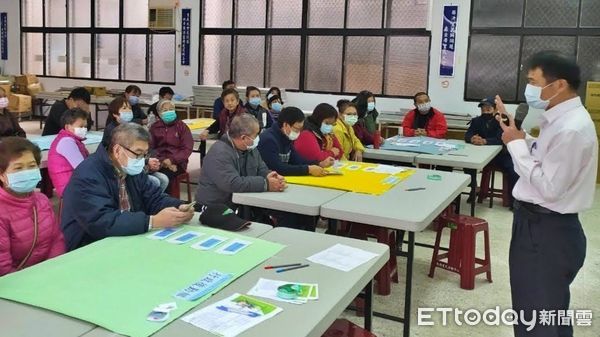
(93, 31)
(523, 32)
(304, 32)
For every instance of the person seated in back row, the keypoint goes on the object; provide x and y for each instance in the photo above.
(275, 105)
(348, 116)
(424, 120)
(276, 148)
(109, 195)
(366, 126)
(29, 233)
(172, 141)
(234, 165)
(9, 125)
(132, 94)
(219, 105)
(486, 130)
(317, 142)
(164, 93)
(254, 108)
(67, 150)
(233, 107)
(78, 98)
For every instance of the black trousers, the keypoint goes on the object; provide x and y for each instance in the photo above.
(546, 252)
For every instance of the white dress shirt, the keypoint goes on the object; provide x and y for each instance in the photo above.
(558, 169)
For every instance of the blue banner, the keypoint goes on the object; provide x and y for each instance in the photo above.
(4, 36)
(448, 40)
(186, 23)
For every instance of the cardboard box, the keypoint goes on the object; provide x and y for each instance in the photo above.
(6, 88)
(97, 91)
(594, 113)
(34, 89)
(592, 95)
(25, 80)
(19, 103)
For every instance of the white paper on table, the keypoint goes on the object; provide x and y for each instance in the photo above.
(342, 257)
(226, 324)
(388, 169)
(268, 289)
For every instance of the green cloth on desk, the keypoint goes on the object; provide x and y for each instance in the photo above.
(116, 282)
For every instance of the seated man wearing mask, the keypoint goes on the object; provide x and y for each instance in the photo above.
(108, 194)
(424, 120)
(234, 165)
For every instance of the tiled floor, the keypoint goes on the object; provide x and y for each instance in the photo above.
(444, 290)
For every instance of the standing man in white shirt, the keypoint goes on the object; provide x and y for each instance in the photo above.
(557, 181)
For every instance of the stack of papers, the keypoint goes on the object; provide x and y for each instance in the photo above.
(268, 289)
(389, 169)
(342, 257)
(233, 315)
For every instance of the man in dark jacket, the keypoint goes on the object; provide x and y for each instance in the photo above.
(277, 151)
(108, 194)
(234, 165)
(485, 130)
(78, 98)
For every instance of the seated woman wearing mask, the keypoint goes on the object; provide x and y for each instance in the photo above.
(351, 145)
(275, 105)
(254, 108)
(171, 141)
(317, 142)
(67, 150)
(29, 233)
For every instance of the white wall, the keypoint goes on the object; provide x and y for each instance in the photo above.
(448, 98)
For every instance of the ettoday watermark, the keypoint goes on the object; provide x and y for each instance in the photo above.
(496, 317)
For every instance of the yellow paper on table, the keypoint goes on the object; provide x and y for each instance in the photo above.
(357, 177)
(199, 123)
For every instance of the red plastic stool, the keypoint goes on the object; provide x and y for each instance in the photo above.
(344, 328)
(487, 189)
(461, 253)
(175, 190)
(389, 271)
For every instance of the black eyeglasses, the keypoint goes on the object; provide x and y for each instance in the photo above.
(137, 156)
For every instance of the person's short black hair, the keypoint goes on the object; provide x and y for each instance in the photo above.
(80, 94)
(250, 89)
(70, 116)
(230, 91)
(165, 91)
(133, 89)
(290, 115)
(12, 148)
(341, 103)
(322, 112)
(556, 66)
(227, 83)
(420, 93)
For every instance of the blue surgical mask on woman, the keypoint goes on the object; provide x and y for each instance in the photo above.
(133, 100)
(126, 116)
(326, 128)
(371, 106)
(276, 107)
(24, 181)
(254, 101)
(168, 116)
(134, 166)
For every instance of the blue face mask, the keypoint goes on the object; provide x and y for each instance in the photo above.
(276, 107)
(371, 106)
(134, 166)
(326, 128)
(254, 101)
(126, 116)
(24, 181)
(133, 100)
(168, 116)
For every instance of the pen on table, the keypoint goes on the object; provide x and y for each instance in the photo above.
(287, 269)
(283, 266)
(415, 189)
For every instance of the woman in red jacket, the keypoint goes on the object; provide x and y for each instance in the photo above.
(172, 141)
(424, 120)
(317, 142)
(29, 233)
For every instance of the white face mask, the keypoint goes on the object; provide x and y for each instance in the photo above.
(351, 119)
(80, 132)
(254, 143)
(424, 107)
(3, 103)
(293, 135)
(533, 96)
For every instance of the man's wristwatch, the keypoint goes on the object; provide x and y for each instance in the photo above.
(150, 223)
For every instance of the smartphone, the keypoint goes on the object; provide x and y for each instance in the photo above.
(190, 206)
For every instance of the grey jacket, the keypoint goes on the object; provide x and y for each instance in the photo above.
(226, 171)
